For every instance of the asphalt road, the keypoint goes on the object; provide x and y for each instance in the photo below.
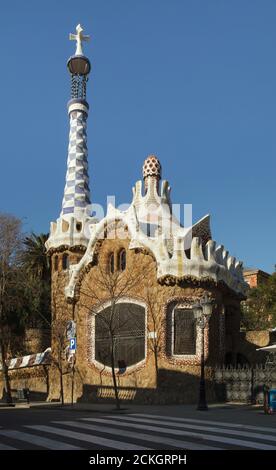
(137, 428)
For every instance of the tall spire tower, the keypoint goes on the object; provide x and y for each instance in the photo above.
(76, 192)
(69, 231)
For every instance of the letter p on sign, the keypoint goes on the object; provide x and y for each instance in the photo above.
(73, 344)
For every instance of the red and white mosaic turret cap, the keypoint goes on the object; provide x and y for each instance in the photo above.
(151, 172)
(152, 167)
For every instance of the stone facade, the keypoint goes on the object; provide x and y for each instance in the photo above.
(177, 377)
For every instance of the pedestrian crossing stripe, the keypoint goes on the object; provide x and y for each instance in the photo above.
(181, 432)
(92, 439)
(206, 421)
(204, 428)
(141, 436)
(6, 447)
(38, 440)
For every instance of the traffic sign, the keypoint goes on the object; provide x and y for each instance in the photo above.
(73, 344)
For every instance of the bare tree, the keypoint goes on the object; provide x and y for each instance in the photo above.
(109, 287)
(59, 356)
(60, 351)
(155, 327)
(10, 246)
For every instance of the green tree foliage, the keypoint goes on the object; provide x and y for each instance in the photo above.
(11, 298)
(259, 311)
(36, 265)
(11, 279)
(24, 288)
(35, 258)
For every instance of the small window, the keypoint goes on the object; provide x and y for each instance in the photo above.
(111, 263)
(184, 329)
(56, 263)
(78, 226)
(65, 261)
(122, 260)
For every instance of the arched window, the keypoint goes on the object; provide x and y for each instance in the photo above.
(184, 331)
(65, 261)
(56, 263)
(111, 264)
(124, 328)
(122, 260)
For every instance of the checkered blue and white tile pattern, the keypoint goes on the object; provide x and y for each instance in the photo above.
(76, 192)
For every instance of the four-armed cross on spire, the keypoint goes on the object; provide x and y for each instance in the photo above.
(79, 37)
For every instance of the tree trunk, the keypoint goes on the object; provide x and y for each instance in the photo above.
(114, 376)
(46, 373)
(5, 371)
(61, 386)
(156, 364)
(73, 381)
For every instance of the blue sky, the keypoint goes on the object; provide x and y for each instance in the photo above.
(191, 81)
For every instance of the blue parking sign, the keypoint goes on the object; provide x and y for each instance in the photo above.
(73, 344)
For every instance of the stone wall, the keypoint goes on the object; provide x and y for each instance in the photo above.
(250, 341)
(36, 379)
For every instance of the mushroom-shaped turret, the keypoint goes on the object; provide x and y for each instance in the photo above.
(151, 172)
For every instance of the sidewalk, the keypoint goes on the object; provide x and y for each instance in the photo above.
(132, 408)
(244, 414)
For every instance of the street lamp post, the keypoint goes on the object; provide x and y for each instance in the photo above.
(202, 312)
